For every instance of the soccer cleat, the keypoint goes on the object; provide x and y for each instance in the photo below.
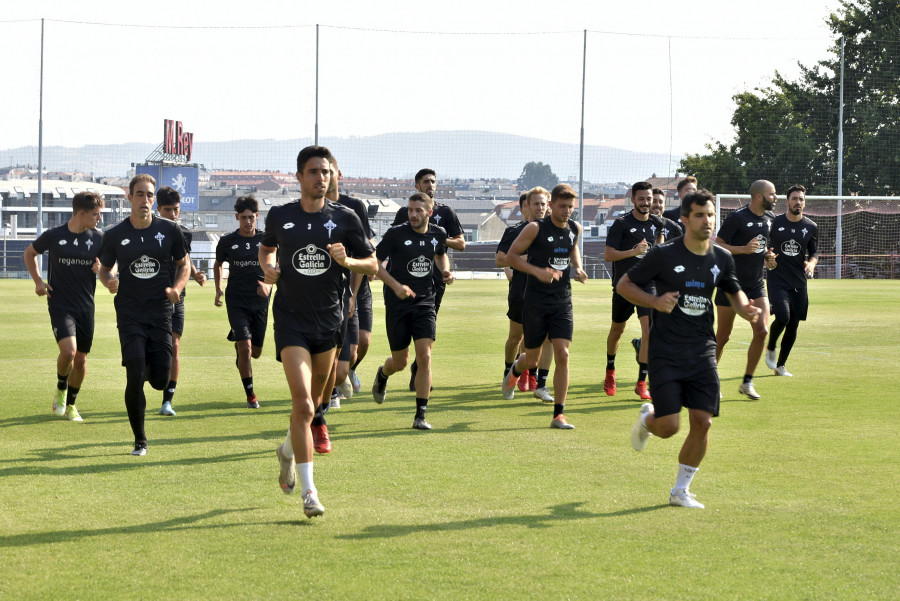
(532, 381)
(379, 386)
(560, 422)
(781, 371)
(641, 391)
(682, 497)
(287, 478)
(747, 389)
(639, 432)
(354, 381)
(771, 360)
(636, 343)
(311, 506)
(252, 402)
(509, 384)
(72, 414)
(609, 383)
(321, 441)
(347, 388)
(334, 403)
(419, 423)
(522, 382)
(544, 394)
(166, 409)
(140, 449)
(59, 403)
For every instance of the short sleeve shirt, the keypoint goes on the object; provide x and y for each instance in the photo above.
(410, 256)
(625, 233)
(517, 283)
(738, 229)
(242, 255)
(552, 247)
(794, 243)
(69, 270)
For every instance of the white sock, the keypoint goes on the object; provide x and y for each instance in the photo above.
(644, 420)
(305, 472)
(287, 448)
(685, 475)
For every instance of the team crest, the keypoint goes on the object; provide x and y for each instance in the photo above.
(159, 238)
(715, 271)
(330, 225)
(89, 244)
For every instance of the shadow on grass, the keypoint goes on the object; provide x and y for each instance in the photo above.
(558, 513)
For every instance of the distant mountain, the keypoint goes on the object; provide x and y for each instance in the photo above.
(453, 154)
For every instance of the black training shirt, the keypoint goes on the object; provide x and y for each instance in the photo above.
(738, 229)
(625, 233)
(242, 255)
(794, 243)
(69, 269)
(410, 257)
(517, 283)
(552, 247)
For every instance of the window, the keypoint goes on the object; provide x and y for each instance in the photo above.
(211, 220)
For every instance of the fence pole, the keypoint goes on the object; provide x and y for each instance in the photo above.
(839, 231)
(581, 149)
(40, 205)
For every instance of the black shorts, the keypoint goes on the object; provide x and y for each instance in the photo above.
(409, 322)
(247, 321)
(364, 307)
(148, 340)
(623, 309)
(699, 390)
(350, 338)
(178, 317)
(516, 311)
(547, 320)
(753, 292)
(66, 324)
(311, 342)
(788, 303)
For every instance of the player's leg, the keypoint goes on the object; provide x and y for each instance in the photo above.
(543, 371)
(399, 334)
(560, 383)
(799, 307)
(640, 388)
(423, 381)
(175, 368)
(724, 325)
(757, 344)
(780, 308)
(64, 367)
(511, 347)
(535, 326)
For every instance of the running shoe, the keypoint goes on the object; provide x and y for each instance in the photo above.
(609, 383)
(639, 432)
(59, 403)
(311, 506)
(560, 422)
(682, 497)
(334, 403)
(419, 423)
(543, 393)
(636, 343)
(253, 402)
(347, 388)
(641, 391)
(522, 382)
(509, 384)
(166, 409)
(287, 478)
(379, 387)
(532, 381)
(72, 414)
(747, 389)
(771, 359)
(321, 441)
(781, 371)
(140, 449)
(354, 380)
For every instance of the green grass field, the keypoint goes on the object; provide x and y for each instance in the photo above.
(801, 487)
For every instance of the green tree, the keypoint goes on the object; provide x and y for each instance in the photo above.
(537, 174)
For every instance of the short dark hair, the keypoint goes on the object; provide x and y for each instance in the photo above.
(690, 179)
(659, 191)
(562, 191)
(700, 197)
(167, 196)
(522, 198)
(140, 177)
(423, 172)
(638, 186)
(86, 201)
(422, 197)
(796, 188)
(311, 152)
(246, 202)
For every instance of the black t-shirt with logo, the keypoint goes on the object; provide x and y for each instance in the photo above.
(739, 229)
(625, 233)
(517, 283)
(69, 269)
(242, 255)
(146, 262)
(188, 239)
(794, 243)
(311, 287)
(671, 229)
(685, 338)
(552, 247)
(410, 257)
(674, 215)
(443, 216)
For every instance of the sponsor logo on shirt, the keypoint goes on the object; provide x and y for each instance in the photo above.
(419, 267)
(679, 269)
(234, 246)
(559, 263)
(762, 244)
(62, 242)
(408, 243)
(144, 268)
(693, 305)
(311, 260)
(288, 225)
(125, 242)
(790, 248)
(695, 284)
(68, 262)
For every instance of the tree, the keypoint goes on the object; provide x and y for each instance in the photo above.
(537, 174)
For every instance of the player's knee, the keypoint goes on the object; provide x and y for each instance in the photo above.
(158, 376)
(701, 423)
(302, 411)
(256, 352)
(79, 361)
(665, 428)
(67, 354)
(400, 363)
(561, 356)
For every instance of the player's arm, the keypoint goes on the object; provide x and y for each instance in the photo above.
(611, 255)
(40, 286)
(198, 275)
(636, 296)
(108, 278)
(401, 290)
(509, 272)
(812, 259)
(575, 259)
(267, 258)
(743, 307)
(457, 243)
(520, 247)
(443, 263)
(500, 259)
(182, 273)
(747, 249)
(217, 279)
(366, 265)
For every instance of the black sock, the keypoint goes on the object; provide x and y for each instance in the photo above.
(506, 371)
(169, 392)
(558, 409)
(61, 382)
(542, 377)
(358, 361)
(421, 404)
(71, 395)
(248, 386)
(380, 375)
(515, 372)
(642, 375)
(610, 361)
(413, 369)
(748, 378)
(319, 417)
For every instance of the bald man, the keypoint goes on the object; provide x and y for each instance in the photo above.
(745, 233)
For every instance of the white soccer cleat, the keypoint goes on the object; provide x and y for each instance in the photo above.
(59, 403)
(287, 477)
(312, 507)
(639, 432)
(509, 384)
(543, 393)
(771, 359)
(347, 388)
(781, 371)
(747, 389)
(354, 381)
(682, 497)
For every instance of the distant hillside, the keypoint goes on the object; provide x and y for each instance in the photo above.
(453, 154)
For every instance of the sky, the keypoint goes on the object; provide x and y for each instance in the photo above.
(659, 74)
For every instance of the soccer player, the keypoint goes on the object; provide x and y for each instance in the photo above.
(628, 240)
(682, 344)
(168, 204)
(147, 249)
(744, 233)
(71, 282)
(247, 294)
(551, 246)
(444, 216)
(413, 251)
(685, 186)
(534, 208)
(305, 250)
(794, 239)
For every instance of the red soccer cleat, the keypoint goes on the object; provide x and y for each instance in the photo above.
(641, 391)
(321, 441)
(609, 384)
(532, 381)
(523, 381)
